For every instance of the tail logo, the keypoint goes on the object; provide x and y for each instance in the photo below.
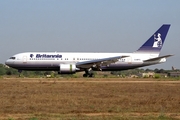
(157, 41)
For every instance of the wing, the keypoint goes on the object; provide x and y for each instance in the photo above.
(157, 58)
(99, 62)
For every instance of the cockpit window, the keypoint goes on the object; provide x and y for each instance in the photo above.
(13, 58)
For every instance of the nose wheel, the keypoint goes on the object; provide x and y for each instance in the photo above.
(20, 71)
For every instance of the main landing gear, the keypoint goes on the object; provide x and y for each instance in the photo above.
(88, 73)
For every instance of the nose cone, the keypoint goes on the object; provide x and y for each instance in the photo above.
(9, 62)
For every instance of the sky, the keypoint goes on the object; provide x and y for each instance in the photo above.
(87, 26)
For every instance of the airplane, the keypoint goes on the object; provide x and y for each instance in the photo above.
(72, 62)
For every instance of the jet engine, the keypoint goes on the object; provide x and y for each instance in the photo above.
(67, 68)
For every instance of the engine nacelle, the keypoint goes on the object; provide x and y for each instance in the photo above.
(67, 68)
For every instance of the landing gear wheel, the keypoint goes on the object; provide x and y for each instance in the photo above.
(88, 73)
(20, 71)
(91, 75)
(85, 75)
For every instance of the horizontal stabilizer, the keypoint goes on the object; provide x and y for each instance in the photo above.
(157, 58)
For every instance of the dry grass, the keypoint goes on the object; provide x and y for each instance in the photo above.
(41, 99)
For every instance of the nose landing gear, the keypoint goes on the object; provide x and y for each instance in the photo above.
(20, 71)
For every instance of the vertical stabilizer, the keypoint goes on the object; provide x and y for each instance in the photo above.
(154, 44)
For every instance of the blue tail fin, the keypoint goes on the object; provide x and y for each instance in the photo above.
(154, 44)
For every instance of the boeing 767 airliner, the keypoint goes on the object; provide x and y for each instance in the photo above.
(72, 62)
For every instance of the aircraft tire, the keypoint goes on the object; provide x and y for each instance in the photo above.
(85, 75)
(91, 75)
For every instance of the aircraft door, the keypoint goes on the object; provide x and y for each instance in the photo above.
(24, 59)
(129, 60)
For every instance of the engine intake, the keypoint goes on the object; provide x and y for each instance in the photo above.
(67, 68)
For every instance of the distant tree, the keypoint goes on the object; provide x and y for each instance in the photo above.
(37, 73)
(2, 69)
(157, 76)
(156, 70)
(128, 72)
(11, 71)
(148, 70)
(115, 72)
(47, 73)
(8, 72)
(141, 70)
(161, 71)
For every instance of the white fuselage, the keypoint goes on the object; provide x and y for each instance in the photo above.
(52, 60)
